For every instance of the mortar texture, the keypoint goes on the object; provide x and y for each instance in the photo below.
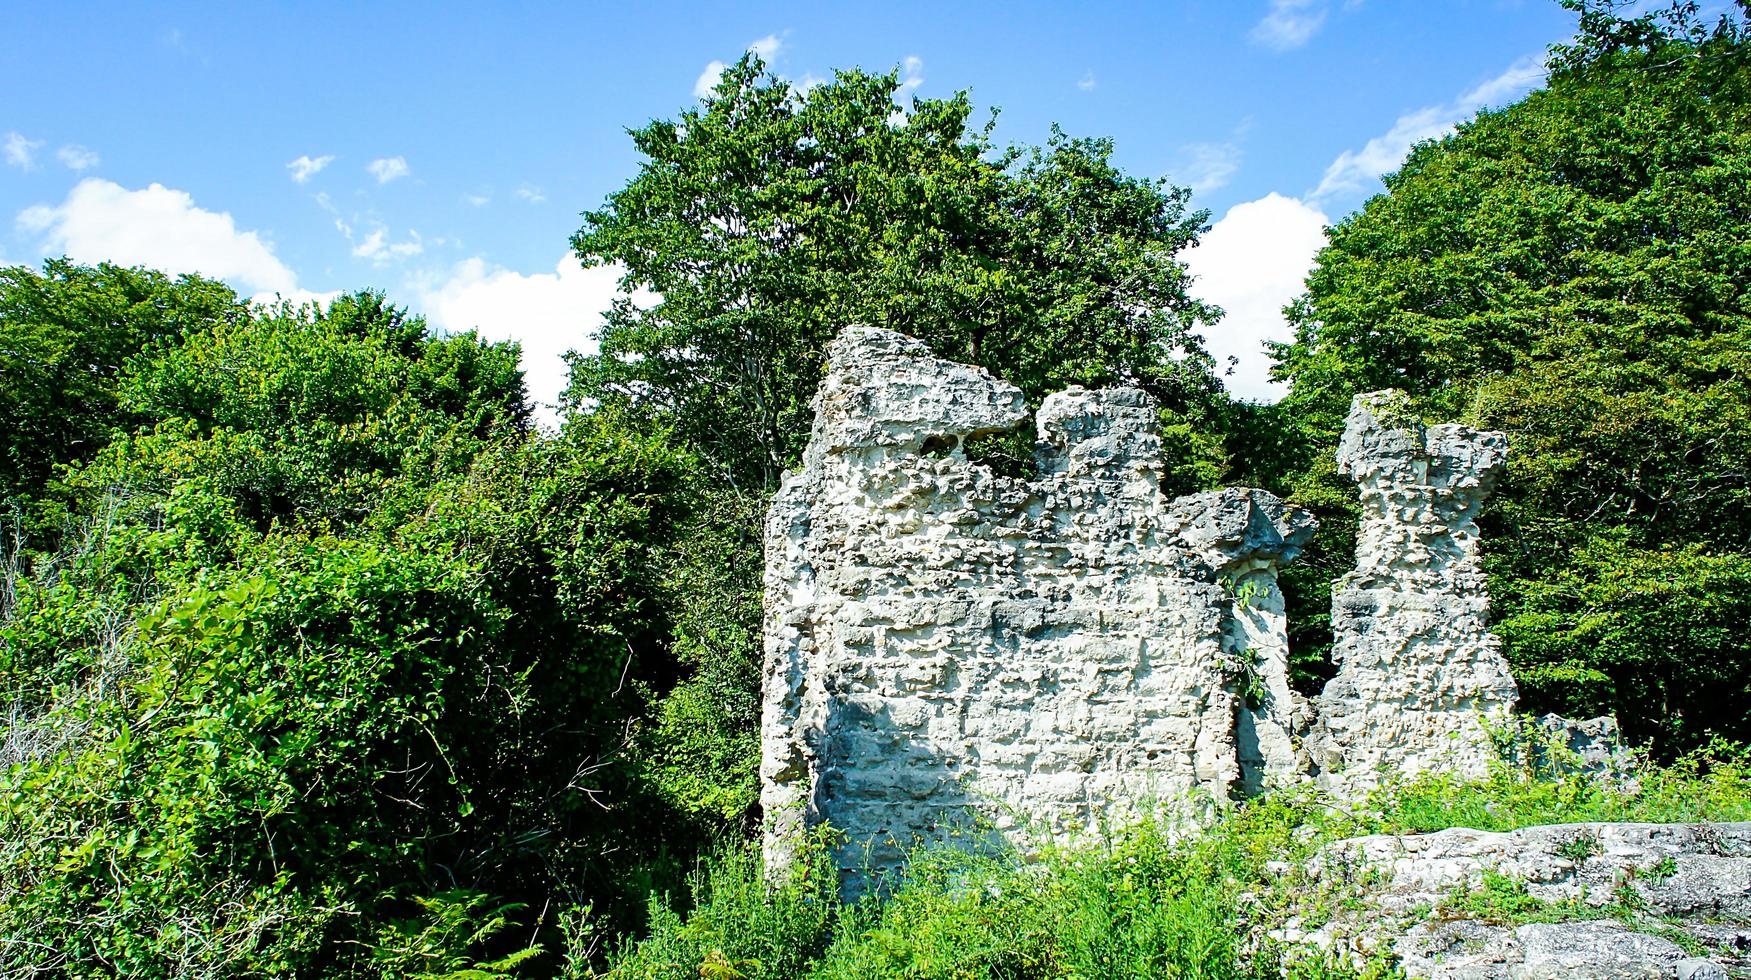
(953, 655)
(1420, 677)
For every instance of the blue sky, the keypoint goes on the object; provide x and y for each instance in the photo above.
(443, 152)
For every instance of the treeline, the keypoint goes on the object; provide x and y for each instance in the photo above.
(318, 659)
(1572, 269)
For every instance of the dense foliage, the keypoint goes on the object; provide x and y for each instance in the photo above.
(65, 334)
(1574, 269)
(326, 665)
(770, 217)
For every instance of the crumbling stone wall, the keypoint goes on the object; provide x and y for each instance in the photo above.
(950, 651)
(1419, 674)
(954, 652)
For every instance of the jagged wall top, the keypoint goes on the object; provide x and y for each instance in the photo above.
(947, 645)
(887, 390)
(1385, 445)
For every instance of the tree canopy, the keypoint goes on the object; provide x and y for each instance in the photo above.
(770, 216)
(1574, 269)
(66, 334)
(319, 653)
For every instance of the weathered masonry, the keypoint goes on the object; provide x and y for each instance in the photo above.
(1419, 673)
(950, 651)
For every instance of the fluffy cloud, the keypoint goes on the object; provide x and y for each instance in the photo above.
(1355, 169)
(1087, 83)
(305, 167)
(388, 169)
(377, 247)
(1289, 24)
(1252, 263)
(767, 48)
(75, 157)
(911, 76)
(549, 314)
(20, 152)
(530, 193)
(101, 221)
(911, 73)
(707, 79)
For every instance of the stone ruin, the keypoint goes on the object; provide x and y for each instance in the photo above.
(953, 655)
(1419, 673)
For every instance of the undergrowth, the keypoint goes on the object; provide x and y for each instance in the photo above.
(1144, 902)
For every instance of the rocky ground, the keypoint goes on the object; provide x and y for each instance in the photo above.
(1593, 900)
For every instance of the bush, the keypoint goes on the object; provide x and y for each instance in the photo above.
(267, 767)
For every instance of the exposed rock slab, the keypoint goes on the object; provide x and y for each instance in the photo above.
(1659, 875)
(1598, 950)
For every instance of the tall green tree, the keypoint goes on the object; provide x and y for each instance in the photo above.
(65, 335)
(1574, 269)
(770, 216)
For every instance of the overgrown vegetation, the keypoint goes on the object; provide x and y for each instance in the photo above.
(1571, 269)
(318, 659)
(1143, 902)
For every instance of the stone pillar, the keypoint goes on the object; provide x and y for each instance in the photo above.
(1246, 537)
(1420, 677)
(886, 415)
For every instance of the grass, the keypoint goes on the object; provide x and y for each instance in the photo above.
(1140, 903)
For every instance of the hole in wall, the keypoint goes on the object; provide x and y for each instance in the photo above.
(940, 446)
(1008, 454)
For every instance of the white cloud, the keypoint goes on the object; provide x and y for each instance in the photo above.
(1252, 263)
(911, 76)
(306, 167)
(1520, 77)
(477, 200)
(1289, 24)
(377, 247)
(1087, 83)
(1209, 165)
(911, 73)
(530, 193)
(549, 314)
(1354, 170)
(388, 169)
(101, 221)
(76, 157)
(707, 79)
(767, 47)
(21, 152)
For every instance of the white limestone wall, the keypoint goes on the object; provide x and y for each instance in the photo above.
(1420, 677)
(954, 655)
